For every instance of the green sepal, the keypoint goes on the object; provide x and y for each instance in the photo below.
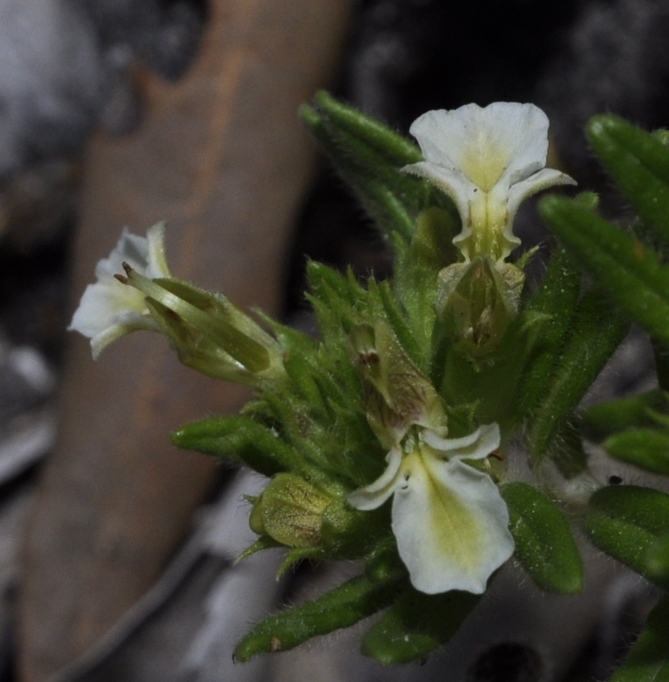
(639, 163)
(414, 286)
(648, 660)
(259, 545)
(336, 299)
(432, 243)
(625, 521)
(295, 556)
(381, 295)
(214, 316)
(645, 448)
(545, 544)
(596, 332)
(240, 439)
(289, 338)
(629, 270)
(340, 608)
(416, 625)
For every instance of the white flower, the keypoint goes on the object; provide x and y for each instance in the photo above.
(109, 309)
(488, 160)
(449, 519)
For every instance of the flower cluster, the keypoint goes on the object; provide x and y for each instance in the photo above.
(394, 400)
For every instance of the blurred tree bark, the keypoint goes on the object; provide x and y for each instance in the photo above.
(223, 157)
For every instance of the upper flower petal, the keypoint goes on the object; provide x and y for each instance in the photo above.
(485, 143)
(375, 494)
(546, 177)
(156, 260)
(108, 309)
(476, 445)
(451, 525)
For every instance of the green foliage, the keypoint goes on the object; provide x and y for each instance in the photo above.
(631, 272)
(646, 448)
(340, 608)
(369, 157)
(626, 522)
(637, 411)
(416, 625)
(454, 338)
(647, 661)
(596, 331)
(545, 545)
(639, 162)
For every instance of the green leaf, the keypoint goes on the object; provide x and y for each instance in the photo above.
(601, 420)
(596, 332)
(622, 264)
(240, 439)
(379, 137)
(417, 625)
(369, 157)
(639, 162)
(547, 319)
(657, 559)
(340, 608)
(549, 312)
(646, 448)
(625, 521)
(545, 545)
(648, 659)
(661, 356)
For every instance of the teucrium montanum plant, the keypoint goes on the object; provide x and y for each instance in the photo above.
(387, 439)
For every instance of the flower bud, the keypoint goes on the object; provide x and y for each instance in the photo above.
(478, 300)
(290, 511)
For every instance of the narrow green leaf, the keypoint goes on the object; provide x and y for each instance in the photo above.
(622, 264)
(378, 136)
(639, 162)
(547, 319)
(646, 448)
(648, 661)
(548, 314)
(606, 418)
(545, 545)
(340, 608)
(369, 157)
(625, 521)
(596, 332)
(417, 625)
(240, 439)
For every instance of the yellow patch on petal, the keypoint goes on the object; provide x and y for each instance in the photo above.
(455, 532)
(484, 161)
